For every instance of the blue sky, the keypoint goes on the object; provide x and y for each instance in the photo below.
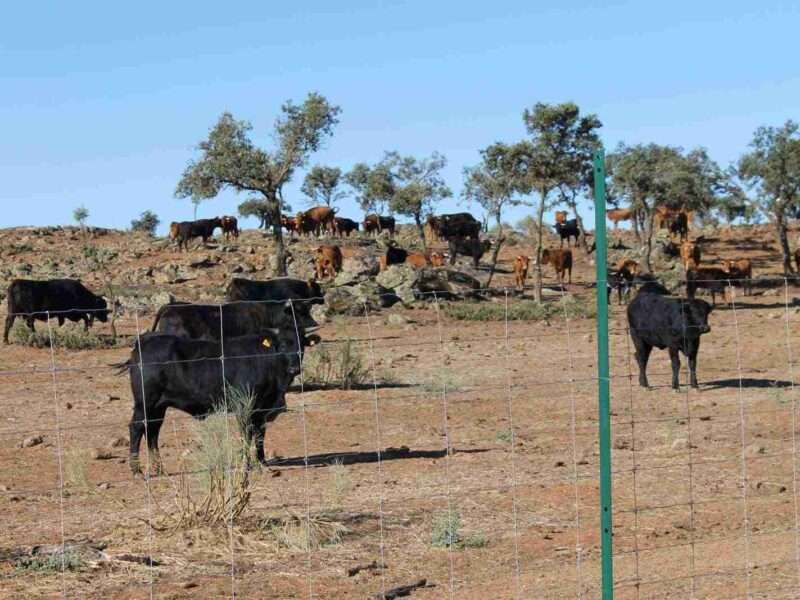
(103, 103)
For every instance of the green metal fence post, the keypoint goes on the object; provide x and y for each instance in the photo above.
(603, 394)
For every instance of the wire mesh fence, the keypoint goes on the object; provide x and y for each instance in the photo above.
(421, 447)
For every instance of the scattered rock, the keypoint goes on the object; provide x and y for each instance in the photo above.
(68, 405)
(104, 486)
(767, 487)
(30, 442)
(397, 319)
(118, 442)
(755, 449)
(100, 454)
(203, 262)
(680, 444)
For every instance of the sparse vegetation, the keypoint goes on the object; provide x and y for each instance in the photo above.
(69, 560)
(69, 337)
(301, 534)
(340, 483)
(81, 214)
(339, 364)
(76, 470)
(524, 310)
(147, 222)
(447, 533)
(504, 436)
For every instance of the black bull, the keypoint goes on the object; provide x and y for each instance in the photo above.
(217, 321)
(167, 371)
(656, 320)
(61, 299)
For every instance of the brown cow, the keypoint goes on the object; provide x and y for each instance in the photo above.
(328, 261)
(561, 216)
(628, 268)
(230, 227)
(690, 254)
(173, 231)
(375, 224)
(521, 270)
(615, 215)
(561, 260)
(417, 260)
(741, 272)
(318, 219)
(437, 259)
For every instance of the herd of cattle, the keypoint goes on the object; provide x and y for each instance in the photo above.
(255, 341)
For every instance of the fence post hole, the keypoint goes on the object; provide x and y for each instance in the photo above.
(601, 249)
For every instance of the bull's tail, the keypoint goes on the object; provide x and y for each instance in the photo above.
(120, 368)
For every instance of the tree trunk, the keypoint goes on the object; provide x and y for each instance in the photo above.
(537, 289)
(420, 229)
(277, 233)
(783, 236)
(582, 237)
(648, 234)
(636, 228)
(495, 254)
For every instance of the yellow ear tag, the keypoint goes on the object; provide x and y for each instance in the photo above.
(266, 343)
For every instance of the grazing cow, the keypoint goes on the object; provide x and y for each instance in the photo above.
(328, 261)
(561, 261)
(658, 321)
(202, 228)
(561, 216)
(457, 225)
(521, 270)
(713, 279)
(188, 375)
(615, 215)
(317, 220)
(741, 273)
(275, 291)
(567, 230)
(344, 227)
(470, 247)
(63, 299)
(690, 254)
(230, 227)
(376, 224)
(212, 321)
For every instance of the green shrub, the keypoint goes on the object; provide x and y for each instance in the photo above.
(68, 560)
(522, 310)
(339, 364)
(446, 530)
(70, 337)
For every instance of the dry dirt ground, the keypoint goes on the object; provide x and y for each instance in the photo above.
(704, 480)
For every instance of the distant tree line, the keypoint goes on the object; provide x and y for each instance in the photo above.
(550, 166)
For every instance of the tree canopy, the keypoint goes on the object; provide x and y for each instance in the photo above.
(147, 222)
(230, 159)
(322, 185)
(374, 186)
(771, 170)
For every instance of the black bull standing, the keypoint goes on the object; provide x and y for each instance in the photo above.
(168, 371)
(657, 320)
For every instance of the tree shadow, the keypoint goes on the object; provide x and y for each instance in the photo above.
(353, 458)
(746, 382)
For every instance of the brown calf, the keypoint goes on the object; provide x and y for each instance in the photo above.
(328, 261)
(741, 272)
(521, 270)
(628, 268)
(615, 215)
(561, 216)
(561, 260)
(690, 254)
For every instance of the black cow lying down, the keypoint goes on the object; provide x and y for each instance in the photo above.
(188, 375)
(657, 320)
(64, 299)
(274, 290)
(202, 321)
